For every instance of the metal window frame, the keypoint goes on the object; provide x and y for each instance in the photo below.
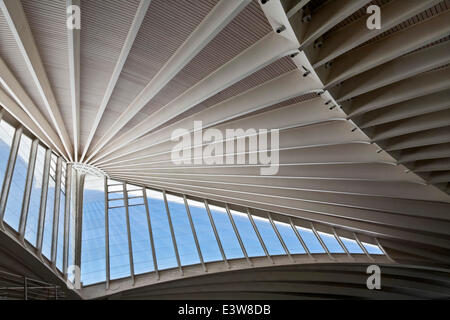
(43, 202)
(9, 173)
(321, 241)
(172, 232)
(236, 231)
(362, 247)
(274, 227)
(342, 244)
(27, 192)
(261, 241)
(299, 237)
(68, 186)
(216, 234)
(150, 231)
(107, 263)
(194, 233)
(56, 208)
(130, 246)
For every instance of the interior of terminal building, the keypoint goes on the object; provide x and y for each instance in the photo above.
(118, 179)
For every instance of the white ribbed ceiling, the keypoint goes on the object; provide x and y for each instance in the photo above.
(364, 114)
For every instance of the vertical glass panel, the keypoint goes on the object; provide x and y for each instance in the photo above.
(183, 233)
(330, 241)
(72, 218)
(165, 252)
(227, 236)
(118, 244)
(6, 137)
(290, 238)
(248, 235)
(351, 245)
(62, 206)
(310, 240)
(35, 197)
(49, 210)
(205, 233)
(17, 188)
(140, 240)
(371, 248)
(269, 236)
(93, 232)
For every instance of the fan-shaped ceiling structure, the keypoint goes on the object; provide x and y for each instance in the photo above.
(362, 116)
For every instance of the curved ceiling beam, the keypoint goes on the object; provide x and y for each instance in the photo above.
(18, 93)
(265, 51)
(14, 109)
(211, 25)
(309, 136)
(286, 86)
(327, 17)
(17, 21)
(356, 33)
(422, 138)
(423, 84)
(429, 121)
(429, 152)
(406, 109)
(128, 43)
(387, 49)
(311, 112)
(395, 70)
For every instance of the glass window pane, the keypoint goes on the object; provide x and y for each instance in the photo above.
(269, 236)
(371, 248)
(62, 205)
(248, 235)
(162, 237)
(351, 245)
(72, 218)
(49, 211)
(118, 244)
(310, 240)
(17, 188)
(227, 236)
(330, 241)
(205, 233)
(140, 240)
(290, 238)
(35, 197)
(6, 137)
(182, 228)
(93, 263)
